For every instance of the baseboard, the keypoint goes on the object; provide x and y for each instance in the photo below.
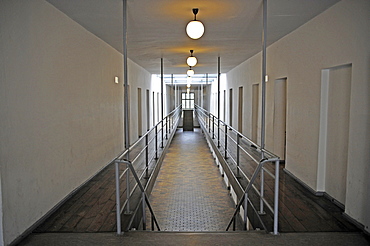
(333, 200)
(355, 222)
(316, 193)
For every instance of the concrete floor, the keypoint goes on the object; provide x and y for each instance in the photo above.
(196, 238)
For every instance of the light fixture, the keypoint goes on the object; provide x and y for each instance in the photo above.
(188, 82)
(190, 72)
(195, 28)
(192, 60)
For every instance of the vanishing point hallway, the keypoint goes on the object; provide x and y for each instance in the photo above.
(189, 194)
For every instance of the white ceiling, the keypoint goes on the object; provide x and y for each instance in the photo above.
(156, 28)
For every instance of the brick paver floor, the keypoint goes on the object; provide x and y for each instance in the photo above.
(189, 194)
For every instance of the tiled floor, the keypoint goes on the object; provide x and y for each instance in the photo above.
(190, 194)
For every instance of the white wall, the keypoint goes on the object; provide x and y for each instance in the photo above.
(138, 77)
(214, 98)
(244, 75)
(62, 113)
(60, 110)
(155, 86)
(336, 37)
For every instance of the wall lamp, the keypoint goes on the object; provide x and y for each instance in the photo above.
(195, 28)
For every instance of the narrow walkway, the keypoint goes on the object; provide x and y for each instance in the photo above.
(189, 194)
(177, 207)
(92, 208)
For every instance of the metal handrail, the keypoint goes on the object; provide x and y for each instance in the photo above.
(174, 112)
(145, 199)
(209, 123)
(154, 137)
(248, 140)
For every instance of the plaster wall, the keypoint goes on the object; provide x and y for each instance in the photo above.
(60, 110)
(155, 87)
(244, 75)
(138, 77)
(339, 36)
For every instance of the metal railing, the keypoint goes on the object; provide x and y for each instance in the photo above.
(247, 161)
(140, 160)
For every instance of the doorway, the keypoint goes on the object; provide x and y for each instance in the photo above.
(153, 108)
(240, 110)
(334, 131)
(255, 106)
(147, 110)
(139, 113)
(224, 109)
(231, 107)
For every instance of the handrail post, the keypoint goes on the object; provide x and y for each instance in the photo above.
(144, 212)
(162, 134)
(118, 200)
(262, 192)
(152, 221)
(170, 124)
(276, 198)
(225, 141)
(209, 123)
(128, 190)
(245, 221)
(156, 142)
(166, 128)
(237, 155)
(146, 156)
(213, 127)
(234, 223)
(218, 132)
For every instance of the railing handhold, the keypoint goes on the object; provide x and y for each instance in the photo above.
(243, 146)
(144, 155)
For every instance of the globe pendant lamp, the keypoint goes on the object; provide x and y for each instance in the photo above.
(195, 28)
(192, 60)
(190, 72)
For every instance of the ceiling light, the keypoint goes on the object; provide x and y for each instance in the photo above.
(195, 28)
(190, 72)
(192, 60)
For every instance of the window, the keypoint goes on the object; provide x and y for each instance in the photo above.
(187, 100)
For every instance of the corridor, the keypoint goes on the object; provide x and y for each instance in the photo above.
(190, 199)
(193, 206)
(190, 194)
